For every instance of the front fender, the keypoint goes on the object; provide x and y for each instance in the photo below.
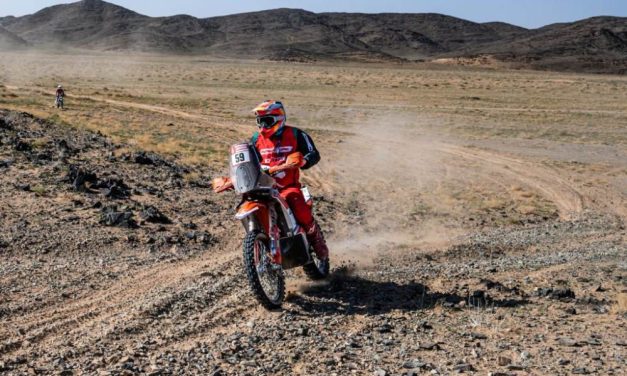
(250, 212)
(246, 209)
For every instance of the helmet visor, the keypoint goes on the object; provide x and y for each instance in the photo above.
(267, 121)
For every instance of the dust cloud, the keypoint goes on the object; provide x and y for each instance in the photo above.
(388, 167)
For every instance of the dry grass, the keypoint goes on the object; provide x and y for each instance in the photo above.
(192, 109)
(621, 303)
(218, 94)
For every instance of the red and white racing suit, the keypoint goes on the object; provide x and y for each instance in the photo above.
(273, 151)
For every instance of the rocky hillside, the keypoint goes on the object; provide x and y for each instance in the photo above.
(10, 40)
(594, 44)
(598, 44)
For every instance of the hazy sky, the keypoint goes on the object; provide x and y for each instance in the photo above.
(528, 13)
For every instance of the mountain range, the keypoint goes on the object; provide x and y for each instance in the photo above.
(597, 44)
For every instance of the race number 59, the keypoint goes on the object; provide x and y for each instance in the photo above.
(240, 157)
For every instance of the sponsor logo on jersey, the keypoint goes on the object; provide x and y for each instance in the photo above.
(277, 150)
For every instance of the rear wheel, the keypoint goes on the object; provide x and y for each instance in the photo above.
(317, 269)
(266, 280)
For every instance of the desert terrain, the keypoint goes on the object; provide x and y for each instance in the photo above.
(476, 219)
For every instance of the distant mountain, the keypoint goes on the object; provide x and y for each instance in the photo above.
(266, 33)
(596, 44)
(412, 36)
(505, 30)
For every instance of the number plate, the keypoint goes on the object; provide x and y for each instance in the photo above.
(240, 157)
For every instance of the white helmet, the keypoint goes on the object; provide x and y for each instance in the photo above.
(59, 87)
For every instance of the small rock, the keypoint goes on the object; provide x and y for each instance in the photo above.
(464, 367)
(565, 341)
(580, 371)
(146, 158)
(20, 145)
(558, 294)
(114, 188)
(515, 367)
(205, 238)
(79, 176)
(416, 363)
(110, 216)
(23, 187)
(503, 361)
(153, 215)
(562, 294)
(429, 346)
(593, 342)
(478, 336)
(600, 309)
(190, 225)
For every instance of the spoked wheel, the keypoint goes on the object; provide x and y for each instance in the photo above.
(265, 279)
(317, 269)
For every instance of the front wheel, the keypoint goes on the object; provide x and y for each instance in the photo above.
(266, 279)
(317, 269)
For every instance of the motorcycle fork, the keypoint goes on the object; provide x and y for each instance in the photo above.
(275, 236)
(267, 221)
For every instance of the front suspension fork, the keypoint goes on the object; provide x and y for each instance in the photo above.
(251, 223)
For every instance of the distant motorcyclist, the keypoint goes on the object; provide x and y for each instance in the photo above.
(274, 142)
(60, 94)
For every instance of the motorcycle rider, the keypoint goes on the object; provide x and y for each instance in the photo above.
(274, 142)
(60, 94)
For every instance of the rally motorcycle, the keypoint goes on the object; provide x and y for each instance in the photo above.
(59, 101)
(274, 241)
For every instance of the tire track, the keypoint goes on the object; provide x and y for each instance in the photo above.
(43, 325)
(569, 201)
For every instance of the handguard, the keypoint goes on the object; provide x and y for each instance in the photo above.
(294, 160)
(221, 184)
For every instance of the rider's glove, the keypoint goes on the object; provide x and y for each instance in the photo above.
(265, 169)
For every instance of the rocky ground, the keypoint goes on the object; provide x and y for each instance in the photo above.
(118, 262)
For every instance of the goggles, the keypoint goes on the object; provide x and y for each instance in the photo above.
(268, 121)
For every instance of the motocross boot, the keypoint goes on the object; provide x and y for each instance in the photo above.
(316, 239)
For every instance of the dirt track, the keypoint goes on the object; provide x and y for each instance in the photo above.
(422, 290)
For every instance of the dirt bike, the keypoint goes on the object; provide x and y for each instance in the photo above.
(59, 101)
(274, 241)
